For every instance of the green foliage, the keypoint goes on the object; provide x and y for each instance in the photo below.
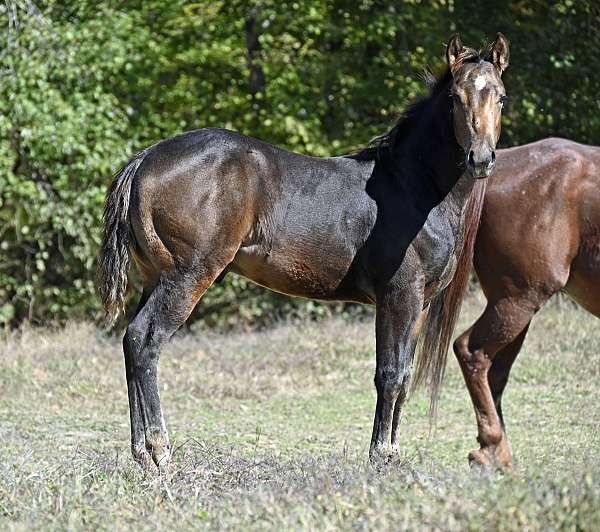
(553, 80)
(85, 84)
(63, 131)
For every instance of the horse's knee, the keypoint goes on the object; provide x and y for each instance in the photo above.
(461, 348)
(134, 338)
(471, 360)
(392, 382)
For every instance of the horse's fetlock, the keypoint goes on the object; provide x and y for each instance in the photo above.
(138, 449)
(490, 436)
(156, 438)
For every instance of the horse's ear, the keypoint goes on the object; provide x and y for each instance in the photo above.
(500, 53)
(453, 50)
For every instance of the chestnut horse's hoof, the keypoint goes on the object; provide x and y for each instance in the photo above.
(492, 457)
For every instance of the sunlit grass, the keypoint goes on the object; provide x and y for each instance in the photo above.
(271, 430)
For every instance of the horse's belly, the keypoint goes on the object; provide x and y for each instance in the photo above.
(298, 271)
(584, 281)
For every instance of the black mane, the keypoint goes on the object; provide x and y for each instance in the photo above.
(405, 124)
(382, 144)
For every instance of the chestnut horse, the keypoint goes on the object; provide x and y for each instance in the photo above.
(383, 226)
(549, 242)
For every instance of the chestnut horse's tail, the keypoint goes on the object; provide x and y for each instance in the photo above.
(444, 309)
(113, 260)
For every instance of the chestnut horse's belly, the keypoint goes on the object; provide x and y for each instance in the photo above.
(584, 281)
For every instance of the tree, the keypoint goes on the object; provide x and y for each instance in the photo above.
(85, 84)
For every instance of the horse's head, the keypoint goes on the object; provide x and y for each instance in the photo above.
(478, 97)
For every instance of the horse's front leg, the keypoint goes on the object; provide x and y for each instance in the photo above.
(397, 329)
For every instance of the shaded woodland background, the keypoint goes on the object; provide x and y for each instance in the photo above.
(86, 84)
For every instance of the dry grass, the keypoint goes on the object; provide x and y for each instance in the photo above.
(271, 430)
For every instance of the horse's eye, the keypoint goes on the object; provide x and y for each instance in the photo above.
(456, 98)
(503, 100)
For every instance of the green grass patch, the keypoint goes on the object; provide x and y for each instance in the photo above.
(271, 431)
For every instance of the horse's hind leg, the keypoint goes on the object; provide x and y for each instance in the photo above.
(496, 333)
(162, 312)
(138, 447)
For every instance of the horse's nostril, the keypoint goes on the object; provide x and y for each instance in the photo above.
(493, 157)
(471, 158)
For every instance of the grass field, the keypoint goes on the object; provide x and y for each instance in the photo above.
(271, 431)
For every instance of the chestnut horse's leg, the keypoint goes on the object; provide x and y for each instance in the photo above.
(499, 332)
(161, 313)
(500, 370)
(397, 323)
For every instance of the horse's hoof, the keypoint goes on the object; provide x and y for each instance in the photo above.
(479, 460)
(384, 455)
(144, 459)
(490, 458)
(162, 458)
(157, 444)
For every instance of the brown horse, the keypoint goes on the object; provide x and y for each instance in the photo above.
(549, 242)
(382, 226)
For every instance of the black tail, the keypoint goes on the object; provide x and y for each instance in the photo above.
(443, 311)
(113, 260)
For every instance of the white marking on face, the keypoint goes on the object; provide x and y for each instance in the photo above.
(480, 82)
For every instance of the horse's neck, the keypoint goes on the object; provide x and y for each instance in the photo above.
(458, 197)
(435, 160)
(431, 155)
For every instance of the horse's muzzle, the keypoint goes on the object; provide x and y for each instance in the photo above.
(481, 167)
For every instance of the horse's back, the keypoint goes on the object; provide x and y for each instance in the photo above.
(283, 219)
